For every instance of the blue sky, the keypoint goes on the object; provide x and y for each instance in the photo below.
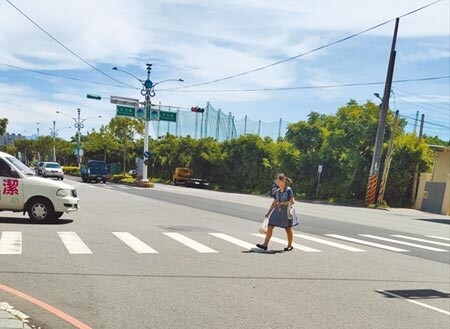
(209, 40)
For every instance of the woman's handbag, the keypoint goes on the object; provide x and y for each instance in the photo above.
(293, 216)
(263, 227)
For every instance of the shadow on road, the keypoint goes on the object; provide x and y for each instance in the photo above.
(26, 220)
(436, 220)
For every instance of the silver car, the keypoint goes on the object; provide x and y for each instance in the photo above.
(52, 169)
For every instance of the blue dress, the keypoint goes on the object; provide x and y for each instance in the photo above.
(279, 216)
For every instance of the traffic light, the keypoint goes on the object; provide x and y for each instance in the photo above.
(197, 109)
(94, 96)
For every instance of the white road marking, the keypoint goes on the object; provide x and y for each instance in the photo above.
(11, 243)
(329, 243)
(372, 244)
(134, 243)
(235, 241)
(73, 243)
(437, 237)
(295, 245)
(421, 240)
(124, 187)
(415, 302)
(402, 242)
(189, 242)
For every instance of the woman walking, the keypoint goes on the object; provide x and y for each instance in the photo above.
(279, 212)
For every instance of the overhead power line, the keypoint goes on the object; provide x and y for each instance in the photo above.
(65, 47)
(227, 90)
(306, 87)
(66, 77)
(308, 52)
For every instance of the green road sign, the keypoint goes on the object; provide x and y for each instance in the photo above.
(92, 96)
(125, 111)
(168, 116)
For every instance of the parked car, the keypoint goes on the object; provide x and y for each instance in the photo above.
(52, 169)
(22, 191)
(38, 168)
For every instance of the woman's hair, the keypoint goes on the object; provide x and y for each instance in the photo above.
(284, 178)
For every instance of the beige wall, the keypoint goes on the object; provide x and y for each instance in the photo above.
(441, 173)
(441, 166)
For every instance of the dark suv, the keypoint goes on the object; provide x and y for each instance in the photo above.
(39, 167)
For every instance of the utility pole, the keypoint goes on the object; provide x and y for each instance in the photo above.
(387, 162)
(78, 124)
(54, 140)
(416, 171)
(372, 184)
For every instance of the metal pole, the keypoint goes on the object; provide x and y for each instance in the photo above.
(79, 137)
(54, 137)
(376, 159)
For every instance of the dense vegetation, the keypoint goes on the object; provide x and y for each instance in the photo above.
(341, 143)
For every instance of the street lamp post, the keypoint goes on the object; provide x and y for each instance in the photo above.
(78, 124)
(148, 91)
(54, 133)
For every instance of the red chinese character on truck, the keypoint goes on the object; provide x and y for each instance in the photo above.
(10, 187)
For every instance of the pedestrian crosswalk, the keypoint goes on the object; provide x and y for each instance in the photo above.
(11, 242)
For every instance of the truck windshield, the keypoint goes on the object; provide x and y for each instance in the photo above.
(97, 165)
(20, 166)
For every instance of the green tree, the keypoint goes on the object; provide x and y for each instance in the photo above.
(124, 129)
(3, 125)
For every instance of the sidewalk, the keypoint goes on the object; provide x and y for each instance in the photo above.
(11, 318)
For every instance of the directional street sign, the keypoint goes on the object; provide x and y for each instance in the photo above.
(146, 154)
(168, 116)
(125, 111)
(139, 113)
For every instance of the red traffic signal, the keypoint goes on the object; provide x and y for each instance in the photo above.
(197, 109)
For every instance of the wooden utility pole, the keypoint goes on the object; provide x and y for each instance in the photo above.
(387, 162)
(372, 184)
(416, 171)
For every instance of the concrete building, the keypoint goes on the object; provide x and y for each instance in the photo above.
(8, 138)
(433, 194)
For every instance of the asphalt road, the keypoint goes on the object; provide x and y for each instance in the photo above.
(174, 257)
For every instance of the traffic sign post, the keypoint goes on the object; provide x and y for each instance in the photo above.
(168, 116)
(125, 111)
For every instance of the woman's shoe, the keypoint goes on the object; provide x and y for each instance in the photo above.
(260, 246)
(288, 248)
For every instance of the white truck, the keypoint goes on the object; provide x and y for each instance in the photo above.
(22, 191)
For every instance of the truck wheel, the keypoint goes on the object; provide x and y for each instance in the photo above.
(41, 209)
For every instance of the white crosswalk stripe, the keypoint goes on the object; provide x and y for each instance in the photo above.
(235, 241)
(368, 243)
(329, 243)
(11, 243)
(437, 237)
(402, 242)
(189, 242)
(134, 243)
(421, 240)
(74, 244)
(295, 245)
